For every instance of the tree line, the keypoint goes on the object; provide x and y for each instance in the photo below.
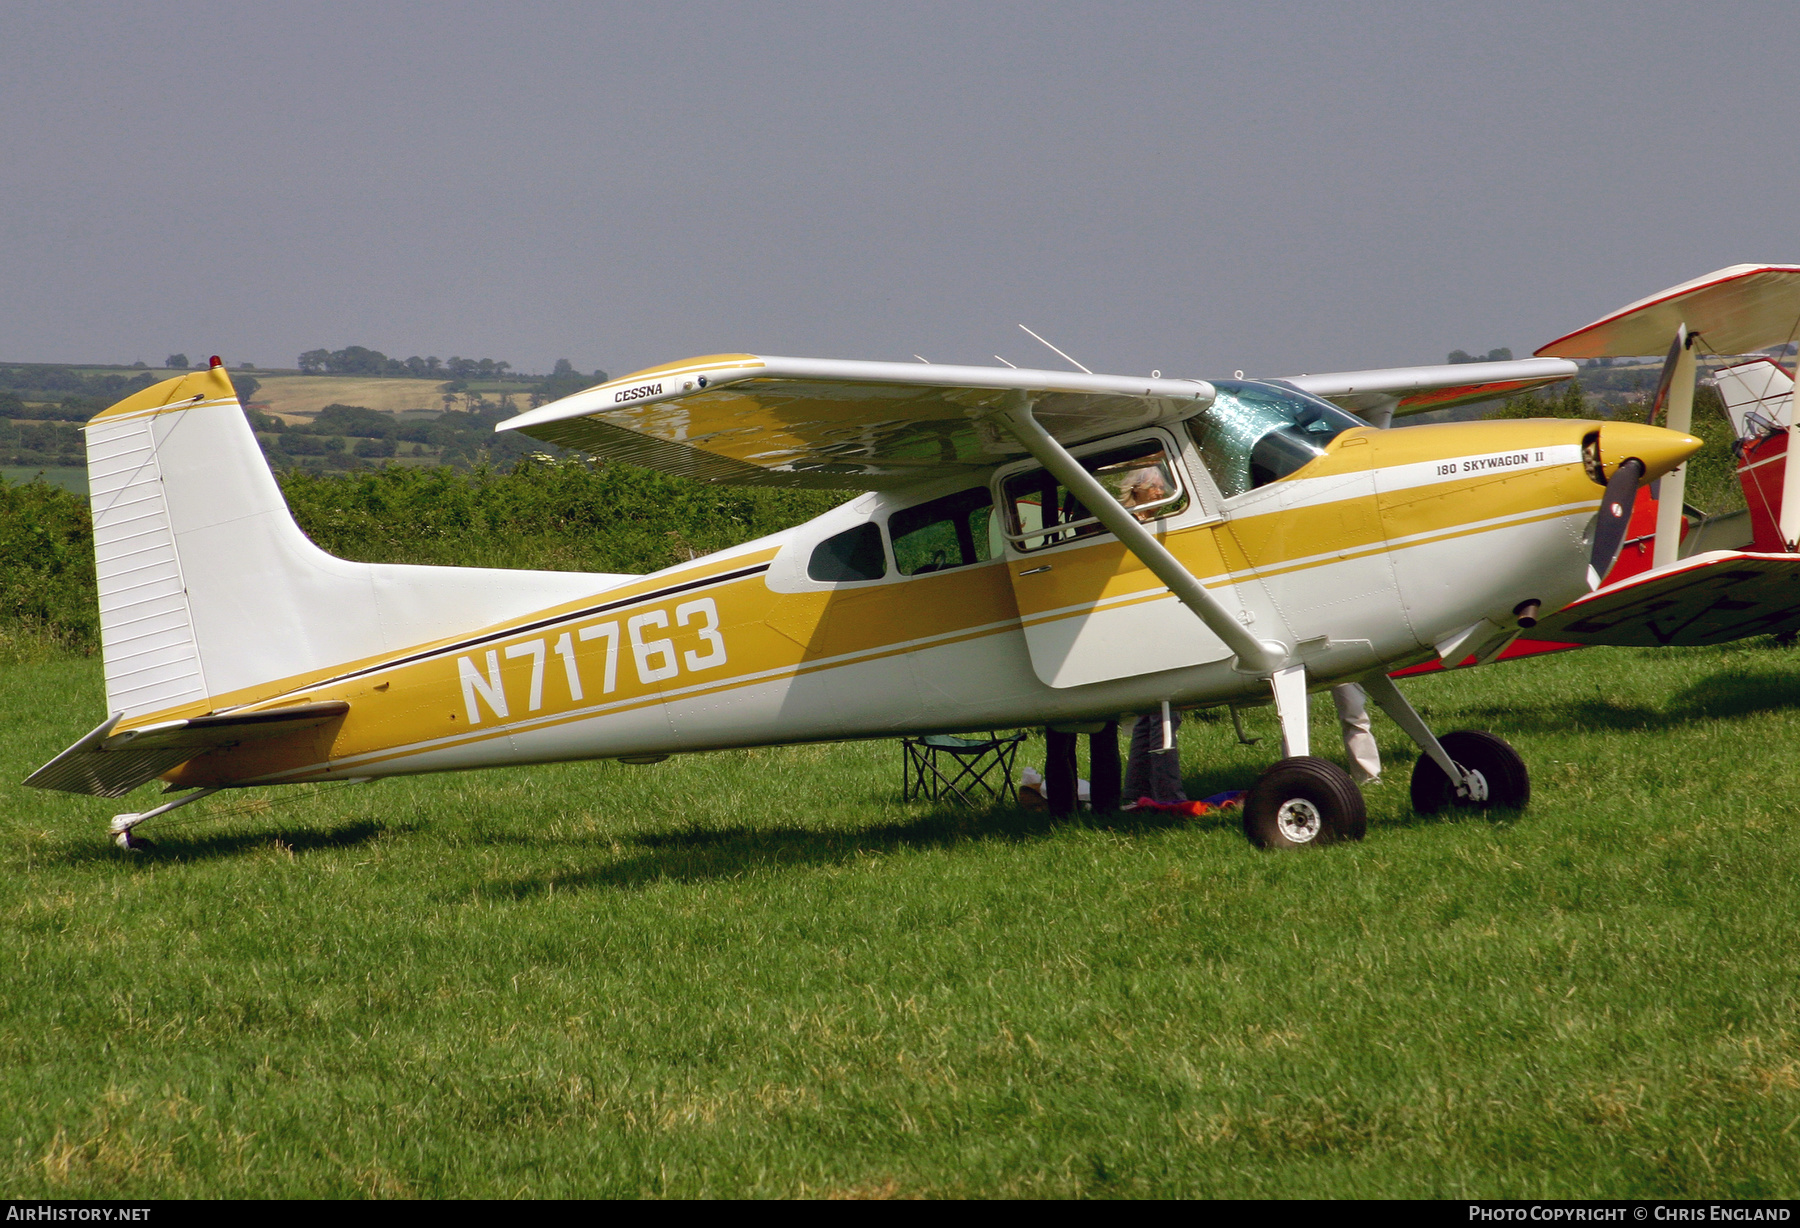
(63, 394)
(566, 515)
(73, 396)
(360, 360)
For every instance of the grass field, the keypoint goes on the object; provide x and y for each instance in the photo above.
(759, 973)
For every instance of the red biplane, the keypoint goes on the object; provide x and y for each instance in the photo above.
(1681, 577)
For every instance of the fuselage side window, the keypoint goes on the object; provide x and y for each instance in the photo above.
(1254, 433)
(944, 533)
(854, 554)
(1140, 475)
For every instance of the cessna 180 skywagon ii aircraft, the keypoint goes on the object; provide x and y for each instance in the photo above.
(1033, 547)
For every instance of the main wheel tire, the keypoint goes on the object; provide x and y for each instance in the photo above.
(1303, 801)
(1503, 774)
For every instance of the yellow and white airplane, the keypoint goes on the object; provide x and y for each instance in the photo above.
(1034, 548)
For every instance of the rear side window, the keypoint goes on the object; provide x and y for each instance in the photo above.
(854, 554)
(944, 533)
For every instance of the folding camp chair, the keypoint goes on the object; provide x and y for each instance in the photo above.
(938, 766)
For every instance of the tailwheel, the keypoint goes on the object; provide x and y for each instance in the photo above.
(1303, 801)
(1496, 775)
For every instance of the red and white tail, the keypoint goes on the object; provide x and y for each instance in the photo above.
(1758, 396)
(1759, 400)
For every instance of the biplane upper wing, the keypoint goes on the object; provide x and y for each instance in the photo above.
(1735, 310)
(758, 420)
(1418, 390)
(1709, 599)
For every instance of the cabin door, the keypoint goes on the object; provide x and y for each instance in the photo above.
(1091, 612)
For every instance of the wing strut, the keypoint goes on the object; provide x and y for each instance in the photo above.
(1382, 690)
(1790, 473)
(1253, 655)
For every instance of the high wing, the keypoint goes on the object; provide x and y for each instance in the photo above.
(108, 764)
(1401, 391)
(1735, 310)
(757, 420)
(1710, 599)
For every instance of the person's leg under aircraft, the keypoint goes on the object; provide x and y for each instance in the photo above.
(1150, 772)
(1359, 742)
(1059, 771)
(1103, 769)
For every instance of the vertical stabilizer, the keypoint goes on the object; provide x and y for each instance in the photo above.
(1757, 396)
(211, 596)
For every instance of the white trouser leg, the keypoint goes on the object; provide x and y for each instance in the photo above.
(1359, 742)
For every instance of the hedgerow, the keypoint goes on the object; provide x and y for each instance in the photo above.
(562, 515)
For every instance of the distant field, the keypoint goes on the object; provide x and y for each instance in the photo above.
(68, 479)
(760, 973)
(290, 395)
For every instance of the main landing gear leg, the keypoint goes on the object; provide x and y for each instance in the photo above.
(1301, 801)
(1291, 706)
(1467, 767)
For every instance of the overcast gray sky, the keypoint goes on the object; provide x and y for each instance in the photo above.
(1191, 187)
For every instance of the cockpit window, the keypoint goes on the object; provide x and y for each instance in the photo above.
(1141, 476)
(1254, 433)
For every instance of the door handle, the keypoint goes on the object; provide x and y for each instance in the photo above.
(1035, 570)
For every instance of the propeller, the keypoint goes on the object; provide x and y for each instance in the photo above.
(1668, 374)
(1615, 516)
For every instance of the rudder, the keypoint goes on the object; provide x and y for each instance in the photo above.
(150, 649)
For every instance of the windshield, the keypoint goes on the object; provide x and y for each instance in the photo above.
(1254, 433)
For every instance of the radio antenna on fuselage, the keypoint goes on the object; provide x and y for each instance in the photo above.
(1059, 353)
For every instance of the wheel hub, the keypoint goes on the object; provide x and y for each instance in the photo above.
(1299, 820)
(1474, 787)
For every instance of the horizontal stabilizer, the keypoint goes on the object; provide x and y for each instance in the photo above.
(1710, 599)
(108, 764)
